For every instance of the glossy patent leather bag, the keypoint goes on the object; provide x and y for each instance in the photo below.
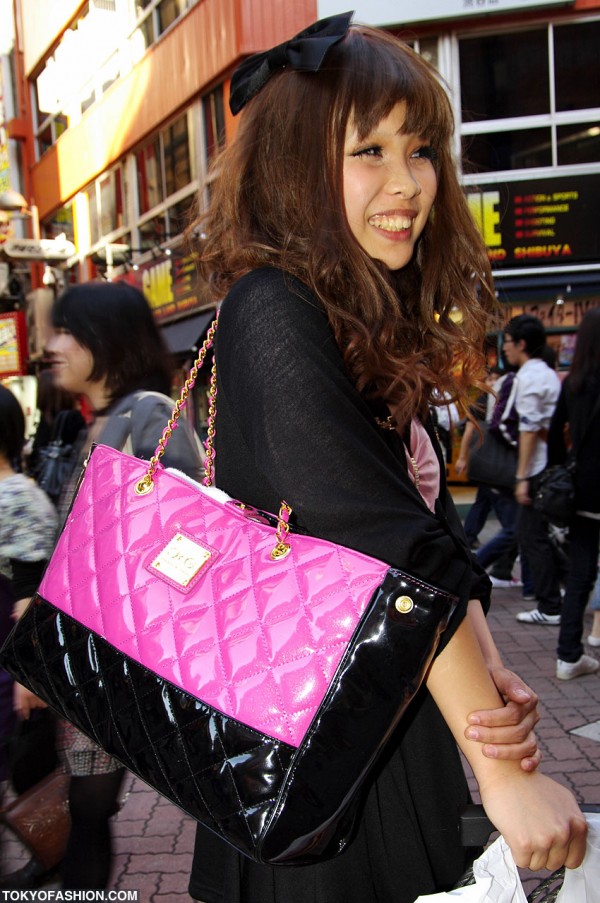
(250, 673)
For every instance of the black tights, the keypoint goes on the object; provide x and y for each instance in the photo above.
(92, 801)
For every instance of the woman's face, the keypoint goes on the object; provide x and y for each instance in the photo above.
(389, 188)
(72, 364)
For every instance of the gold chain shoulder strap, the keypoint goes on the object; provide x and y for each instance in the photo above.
(146, 484)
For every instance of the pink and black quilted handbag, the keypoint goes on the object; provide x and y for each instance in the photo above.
(249, 673)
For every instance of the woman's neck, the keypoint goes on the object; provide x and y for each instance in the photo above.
(6, 468)
(97, 396)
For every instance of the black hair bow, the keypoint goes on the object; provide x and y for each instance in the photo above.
(305, 53)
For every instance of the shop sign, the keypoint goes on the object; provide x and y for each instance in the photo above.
(563, 313)
(539, 222)
(13, 344)
(389, 12)
(42, 249)
(170, 285)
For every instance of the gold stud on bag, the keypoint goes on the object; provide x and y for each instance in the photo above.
(229, 660)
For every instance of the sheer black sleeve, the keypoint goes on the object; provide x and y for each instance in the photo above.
(291, 425)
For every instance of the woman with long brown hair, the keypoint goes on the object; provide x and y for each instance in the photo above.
(356, 292)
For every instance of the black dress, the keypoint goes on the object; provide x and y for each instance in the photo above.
(291, 425)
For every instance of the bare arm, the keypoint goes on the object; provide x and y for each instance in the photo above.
(465, 444)
(507, 732)
(527, 446)
(539, 818)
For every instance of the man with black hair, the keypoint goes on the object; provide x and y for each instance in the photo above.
(536, 389)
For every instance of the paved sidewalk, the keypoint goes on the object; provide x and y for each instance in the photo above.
(154, 840)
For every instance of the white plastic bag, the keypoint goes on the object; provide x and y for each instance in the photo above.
(582, 885)
(496, 880)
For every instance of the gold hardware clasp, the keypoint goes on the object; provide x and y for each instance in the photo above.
(144, 486)
(283, 547)
(404, 604)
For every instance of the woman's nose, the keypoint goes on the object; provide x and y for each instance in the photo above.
(402, 182)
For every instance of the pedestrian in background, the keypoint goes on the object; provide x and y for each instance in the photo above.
(51, 457)
(51, 402)
(575, 431)
(27, 533)
(536, 389)
(107, 347)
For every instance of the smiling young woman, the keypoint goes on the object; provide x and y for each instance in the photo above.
(339, 240)
(389, 188)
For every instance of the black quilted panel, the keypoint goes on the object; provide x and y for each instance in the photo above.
(219, 771)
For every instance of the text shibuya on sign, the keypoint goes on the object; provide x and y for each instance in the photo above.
(556, 221)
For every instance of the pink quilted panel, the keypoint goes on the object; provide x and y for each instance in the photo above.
(255, 638)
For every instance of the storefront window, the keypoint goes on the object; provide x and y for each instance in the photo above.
(61, 223)
(504, 76)
(515, 149)
(93, 213)
(181, 214)
(577, 66)
(168, 11)
(153, 232)
(166, 164)
(149, 176)
(529, 122)
(214, 122)
(578, 143)
(107, 204)
(179, 156)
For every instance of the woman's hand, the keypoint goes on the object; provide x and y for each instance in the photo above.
(461, 464)
(507, 732)
(522, 492)
(24, 701)
(20, 607)
(539, 819)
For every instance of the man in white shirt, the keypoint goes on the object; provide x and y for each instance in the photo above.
(536, 389)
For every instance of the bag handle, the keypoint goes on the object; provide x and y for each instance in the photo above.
(146, 484)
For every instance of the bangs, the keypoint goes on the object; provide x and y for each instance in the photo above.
(375, 73)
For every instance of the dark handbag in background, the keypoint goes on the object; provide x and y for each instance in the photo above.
(249, 673)
(40, 819)
(555, 494)
(55, 460)
(492, 461)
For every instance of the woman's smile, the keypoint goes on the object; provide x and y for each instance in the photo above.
(389, 188)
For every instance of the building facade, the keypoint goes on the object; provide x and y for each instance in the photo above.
(120, 105)
(524, 78)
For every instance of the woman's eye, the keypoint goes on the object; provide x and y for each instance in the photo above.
(425, 152)
(373, 151)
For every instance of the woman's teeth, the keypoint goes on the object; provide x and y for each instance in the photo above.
(391, 223)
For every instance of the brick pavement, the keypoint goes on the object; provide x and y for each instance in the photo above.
(154, 840)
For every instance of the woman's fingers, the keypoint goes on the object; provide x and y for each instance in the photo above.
(539, 819)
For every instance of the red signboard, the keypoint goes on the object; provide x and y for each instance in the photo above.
(171, 286)
(13, 344)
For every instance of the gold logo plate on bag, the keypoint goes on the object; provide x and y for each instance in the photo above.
(181, 559)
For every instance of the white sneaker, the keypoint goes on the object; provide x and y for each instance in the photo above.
(538, 617)
(507, 584)
(584, 665)
(593, 640)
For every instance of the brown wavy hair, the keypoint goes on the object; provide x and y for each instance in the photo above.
(277, 200)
